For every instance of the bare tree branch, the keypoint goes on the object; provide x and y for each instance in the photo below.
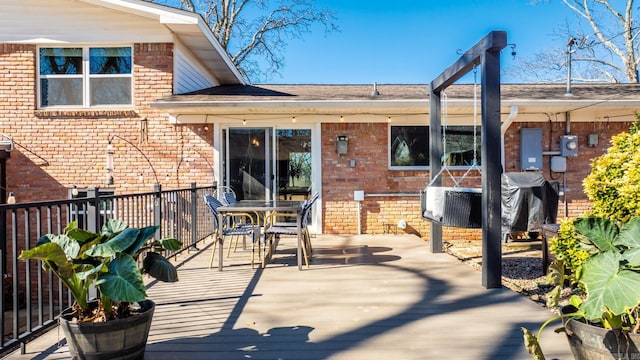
(255, 32)
(613, 52)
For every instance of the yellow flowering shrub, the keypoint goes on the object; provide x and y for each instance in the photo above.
(566, 248)
(613, 186)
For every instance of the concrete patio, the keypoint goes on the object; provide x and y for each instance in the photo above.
(363, 297)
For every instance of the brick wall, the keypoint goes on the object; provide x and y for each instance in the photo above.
(368, 147)
(59, 149)
(577, 167)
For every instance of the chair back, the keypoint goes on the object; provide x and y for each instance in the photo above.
(229, 197)
(213, 204)
(222, 194)
(307, 208)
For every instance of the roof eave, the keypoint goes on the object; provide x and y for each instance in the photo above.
(184, 25)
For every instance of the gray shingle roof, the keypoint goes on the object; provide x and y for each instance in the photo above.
(336, 92)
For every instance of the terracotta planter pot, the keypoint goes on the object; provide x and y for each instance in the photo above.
(116, 339)
(590, 342)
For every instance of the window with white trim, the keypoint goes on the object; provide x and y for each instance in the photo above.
(83, 77)
(409, 146)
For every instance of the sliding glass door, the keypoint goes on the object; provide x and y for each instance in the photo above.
(292, 164)
(267, 163)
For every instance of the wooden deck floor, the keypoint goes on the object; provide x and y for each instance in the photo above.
(364, 297)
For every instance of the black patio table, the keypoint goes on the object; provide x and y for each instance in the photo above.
(265, 207)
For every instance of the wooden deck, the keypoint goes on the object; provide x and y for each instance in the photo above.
(363, 297)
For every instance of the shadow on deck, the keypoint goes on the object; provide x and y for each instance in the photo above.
(366, 296)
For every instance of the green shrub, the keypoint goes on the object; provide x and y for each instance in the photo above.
(566, 248)
(613, 186)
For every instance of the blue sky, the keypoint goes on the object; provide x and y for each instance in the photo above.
(413, 41)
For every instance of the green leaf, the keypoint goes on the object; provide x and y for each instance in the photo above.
(89, 270)
(171, 244)
(123, 282)
(611, 321)
(608, 287)
(113, 227)
(144, 235)
(630, 234)
(553, 297)
(555, 273)
(601, 232)
(115, 245)
(632, 257)
(70, 246)
(54, 259)
(44, 239)
(159, 267)
(532, 344)
(80, 235)
(50, 252)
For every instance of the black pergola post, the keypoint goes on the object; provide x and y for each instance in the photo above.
(486, 53)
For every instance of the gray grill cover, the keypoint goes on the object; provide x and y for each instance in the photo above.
(528, 202)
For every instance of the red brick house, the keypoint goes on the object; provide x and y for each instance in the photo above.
(78, 74)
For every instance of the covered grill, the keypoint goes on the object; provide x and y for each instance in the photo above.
(528, 202)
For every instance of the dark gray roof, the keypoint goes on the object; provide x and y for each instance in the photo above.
(337, 92)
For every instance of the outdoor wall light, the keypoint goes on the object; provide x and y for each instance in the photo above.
(11, 198)
(6, 142)
(109, 165)
(342, 145)
(74, 191)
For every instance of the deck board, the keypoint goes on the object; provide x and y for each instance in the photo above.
(366, 296)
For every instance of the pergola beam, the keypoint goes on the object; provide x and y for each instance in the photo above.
(487, 54)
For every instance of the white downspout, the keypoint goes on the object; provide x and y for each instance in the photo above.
(503, 129)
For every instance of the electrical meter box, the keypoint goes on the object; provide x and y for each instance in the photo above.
(569, 145)
(531, 149)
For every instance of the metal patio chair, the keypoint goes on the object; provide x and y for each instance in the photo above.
(273, 228)
(232, 227)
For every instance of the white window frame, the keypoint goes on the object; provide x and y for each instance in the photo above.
(86, 77)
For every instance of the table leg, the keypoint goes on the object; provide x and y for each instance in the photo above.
(220, 243)
(299, 250)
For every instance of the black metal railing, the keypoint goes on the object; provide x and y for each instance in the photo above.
(31, 298)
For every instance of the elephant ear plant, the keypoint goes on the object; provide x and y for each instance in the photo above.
(109, 261)
(608, 280)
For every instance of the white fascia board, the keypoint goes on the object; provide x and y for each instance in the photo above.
(171, 16)
(165, 14)
(206, 31)
(346, 107)
(575, 104)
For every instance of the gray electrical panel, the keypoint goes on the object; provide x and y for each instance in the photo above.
(531, 149)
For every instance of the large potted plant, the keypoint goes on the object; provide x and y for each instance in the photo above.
(116, 324)
(601, 321)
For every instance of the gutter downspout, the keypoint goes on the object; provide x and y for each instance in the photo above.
(503, 129)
